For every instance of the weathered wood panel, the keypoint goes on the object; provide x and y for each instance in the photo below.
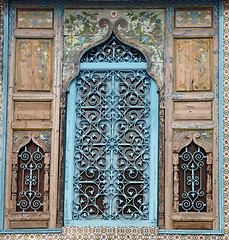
(34, 64)
(193, 18)
(193, 64)
(28, 224)
(32, 110)
(193, 110)
(34, 19)
(193, 225)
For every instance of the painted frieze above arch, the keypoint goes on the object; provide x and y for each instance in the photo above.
(145, 30)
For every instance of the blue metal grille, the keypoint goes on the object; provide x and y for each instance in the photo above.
(193, 174)
(111, 179)
(112, 138)
(113, 52)
(31, 172)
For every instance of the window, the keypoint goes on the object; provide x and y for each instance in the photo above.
(112, 138)
(134, 112)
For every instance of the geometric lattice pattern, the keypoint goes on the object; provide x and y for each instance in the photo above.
(151, 233)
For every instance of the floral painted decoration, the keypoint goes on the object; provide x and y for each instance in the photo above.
(193, 18)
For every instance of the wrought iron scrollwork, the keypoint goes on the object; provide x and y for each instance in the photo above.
(112, 150)
(192, 177)
(31, 173)
(113, 52)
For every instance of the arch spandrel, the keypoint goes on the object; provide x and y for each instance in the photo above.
(113, 30)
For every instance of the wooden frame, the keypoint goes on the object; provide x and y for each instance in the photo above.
(54, 97)
(34, 124)
(186, 101)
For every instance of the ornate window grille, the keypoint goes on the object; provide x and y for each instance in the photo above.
(30, 175)
(193, 178)
(112, 138)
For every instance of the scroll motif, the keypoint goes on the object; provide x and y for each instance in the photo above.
(30, 174)
(192, 171)
(113, 51)
(112, 138)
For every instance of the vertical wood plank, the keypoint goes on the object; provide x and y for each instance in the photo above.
(24, 61)
(56, 113)
(42, 60)
(168, 116)
(9, 130)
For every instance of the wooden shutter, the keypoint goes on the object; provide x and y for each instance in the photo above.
(33, 119)
(191, 147)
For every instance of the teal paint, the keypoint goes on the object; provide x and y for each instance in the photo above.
(69, 163)
(113, 66)
(72, 122)
(154, 152)
(191, 232)
(221, 196)
(4, 109)
(28, 231)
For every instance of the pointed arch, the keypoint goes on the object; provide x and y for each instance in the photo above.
(112, 137)
(193, 178)
(129, 44)
(30, 175)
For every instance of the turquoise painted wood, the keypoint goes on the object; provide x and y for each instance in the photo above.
(221, 200)
(111, 81)
(4, 109)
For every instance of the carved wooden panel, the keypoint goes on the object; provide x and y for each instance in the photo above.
(193, 64)
(32, 110)
(34, 64)
(30, 172)
(202, 137)
(192, 110)
(193, 178)
(30, 195)
(193, 18)
(34, 19)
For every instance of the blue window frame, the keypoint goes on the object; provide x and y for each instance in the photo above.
(111, 168)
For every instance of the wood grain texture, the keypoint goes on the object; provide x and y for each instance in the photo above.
(28, 224)
(34, 64)
(192, 111)
(193, 225)
(193, 64)
(32, 111)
